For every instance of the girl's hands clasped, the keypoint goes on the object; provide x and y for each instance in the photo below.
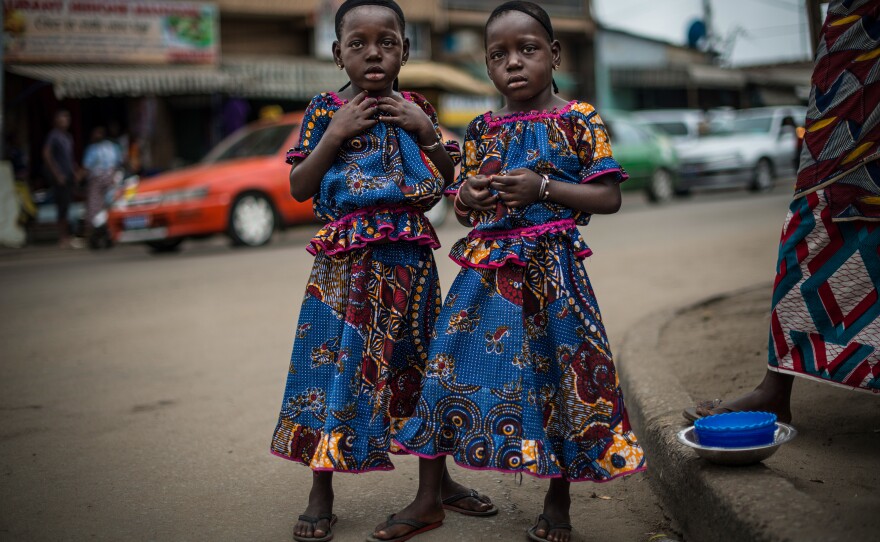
(353, 118)
(475, 193)
(518, 188)
(405, 114)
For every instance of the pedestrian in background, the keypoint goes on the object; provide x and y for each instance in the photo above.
(372, 160)
(520, 375)
(102, 161)
(824, 321)
(62, 173)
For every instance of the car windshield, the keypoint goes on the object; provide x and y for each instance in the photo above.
(671, 128)
(258, 142)
(742, 125)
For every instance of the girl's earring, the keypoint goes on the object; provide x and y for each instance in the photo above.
(338, 65)
(403, 63)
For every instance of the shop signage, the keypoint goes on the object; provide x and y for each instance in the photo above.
(110, 31)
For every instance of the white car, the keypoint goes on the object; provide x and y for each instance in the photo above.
(749, 149)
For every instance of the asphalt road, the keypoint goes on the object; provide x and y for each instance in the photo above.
(138, 393)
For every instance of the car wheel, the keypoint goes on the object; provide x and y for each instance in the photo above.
(437, 214)
(762, 181)
(165, 245)
(251, 220)
(661, 188)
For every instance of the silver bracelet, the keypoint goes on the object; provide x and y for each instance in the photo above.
(544, 191)
(432, 147)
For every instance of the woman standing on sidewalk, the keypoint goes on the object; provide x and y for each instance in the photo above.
(824, 323)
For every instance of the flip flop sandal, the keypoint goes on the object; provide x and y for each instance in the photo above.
(447, 504)
(314, 521)
(690, 414)
(419, 526)
(550, 527)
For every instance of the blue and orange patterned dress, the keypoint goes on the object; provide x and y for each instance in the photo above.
(520, 376)
(371, 301)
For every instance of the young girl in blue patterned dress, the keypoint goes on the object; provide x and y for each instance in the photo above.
(372, 160)
(520, 376)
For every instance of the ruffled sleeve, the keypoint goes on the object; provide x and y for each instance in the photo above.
(593, 145)
(315, 121)
(471, 155)
(452, 147)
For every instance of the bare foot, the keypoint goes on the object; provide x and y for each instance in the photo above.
(450, 487)
(772, 395)
(320, 503)
(420, 511)
(556, 511)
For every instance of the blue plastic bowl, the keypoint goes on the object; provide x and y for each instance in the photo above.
(736, 429)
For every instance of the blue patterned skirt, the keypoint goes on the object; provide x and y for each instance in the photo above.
(520, 376)
(358, 356)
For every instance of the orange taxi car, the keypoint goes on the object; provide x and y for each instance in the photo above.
(240, 188)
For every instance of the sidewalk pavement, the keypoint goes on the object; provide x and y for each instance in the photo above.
(823, 486)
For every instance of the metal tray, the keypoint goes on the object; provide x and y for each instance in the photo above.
(738, 456)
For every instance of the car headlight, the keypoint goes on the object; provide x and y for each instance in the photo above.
(188, 194)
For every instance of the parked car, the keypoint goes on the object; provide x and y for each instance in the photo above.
(750, 149)
(681, 125)
(240, 188)
(646, 154)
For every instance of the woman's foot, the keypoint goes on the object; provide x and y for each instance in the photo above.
(320, 507)
(771, 395)
(556, 513)
(425, 512)
(459, 498)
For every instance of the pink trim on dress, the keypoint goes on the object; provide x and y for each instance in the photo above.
(317, 245)
(527, 116)
(429, 238)
(371, 210)
(336, 99)
(518, 471)
(528, 231)
(624, 175)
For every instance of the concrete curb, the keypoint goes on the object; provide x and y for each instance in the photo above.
(707, 502)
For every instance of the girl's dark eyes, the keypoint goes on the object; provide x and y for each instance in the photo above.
(496, 55)
(530, 48)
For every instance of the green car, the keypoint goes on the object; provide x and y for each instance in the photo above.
(646, 154)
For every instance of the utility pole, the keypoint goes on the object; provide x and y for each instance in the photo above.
(814, 16)
(2, 103)
(711, 40)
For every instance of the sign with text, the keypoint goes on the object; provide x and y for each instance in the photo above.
(110, 31)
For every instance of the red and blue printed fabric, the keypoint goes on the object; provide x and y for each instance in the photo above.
(842, 133)
(520, 376)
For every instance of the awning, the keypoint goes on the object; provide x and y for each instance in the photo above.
(678, 76)
(443, 77)
(280, 77)
(87, 81)
(249, 77)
